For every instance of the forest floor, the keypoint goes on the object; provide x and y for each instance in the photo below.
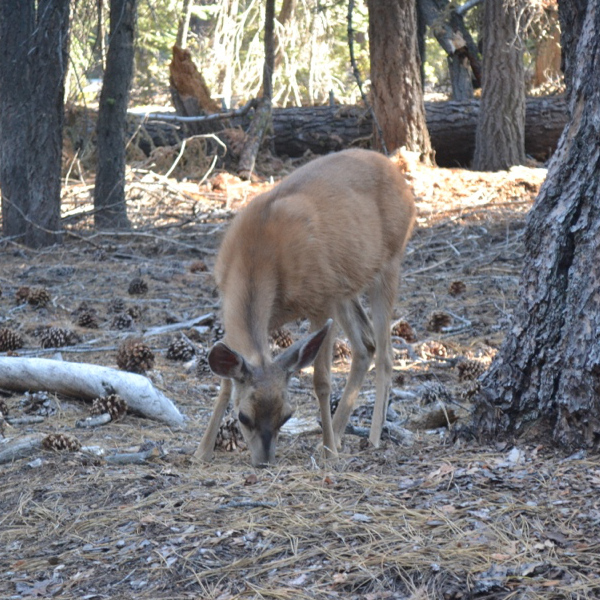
(421, 517)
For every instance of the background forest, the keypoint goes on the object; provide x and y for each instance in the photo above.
(312, 60)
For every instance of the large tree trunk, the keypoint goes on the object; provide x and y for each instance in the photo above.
(109, 193)
(396, 89)
(547, 373)
(33, 65)
(500, 140)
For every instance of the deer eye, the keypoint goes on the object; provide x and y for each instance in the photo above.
(244, 419)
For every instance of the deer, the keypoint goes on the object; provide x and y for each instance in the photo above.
(309, 248)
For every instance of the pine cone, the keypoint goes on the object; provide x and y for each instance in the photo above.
(403, 330)
(217, 330)
(137, 286)
(59, 442)
(432, 349)
(456, 288)
(437, 320)
(433, 391)
(134, 312)
(198, 266)
(469, 370)
(10, 340)
(180, 349)
(57, 337)
(135, 356)
(87, 319)
(341, 351)
(38, 297)
(114, 405)
(282, 338)
(230, 437)
(122, 321)
(116, 305)
(22, 294)
(202, 366)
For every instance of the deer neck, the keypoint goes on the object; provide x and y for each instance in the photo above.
(247, 315)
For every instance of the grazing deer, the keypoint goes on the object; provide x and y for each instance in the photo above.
(307, 249)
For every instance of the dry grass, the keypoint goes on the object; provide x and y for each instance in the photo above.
(425, 521)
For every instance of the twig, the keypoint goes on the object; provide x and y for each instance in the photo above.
(461, 10)
(94, 421)
(240, 112)
(182, 325)
(128, 458)
(246, 504)
(20, 448)
(24, 420)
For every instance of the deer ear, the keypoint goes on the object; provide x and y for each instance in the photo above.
(227, 363)
(303, 353)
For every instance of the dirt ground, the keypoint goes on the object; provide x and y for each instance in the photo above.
(421, 517)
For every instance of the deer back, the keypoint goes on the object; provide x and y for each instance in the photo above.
(320, 236)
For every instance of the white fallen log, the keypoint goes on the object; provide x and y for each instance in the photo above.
(86, 381)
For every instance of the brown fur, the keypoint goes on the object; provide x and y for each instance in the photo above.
(306, 249)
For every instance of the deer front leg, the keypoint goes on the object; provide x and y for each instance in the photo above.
(322, 385)
(382, 295)
(359, 330)
(206, 449)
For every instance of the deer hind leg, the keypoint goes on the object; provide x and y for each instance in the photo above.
(322, 385)
(382, 295)
(357, 326)
(206, 449)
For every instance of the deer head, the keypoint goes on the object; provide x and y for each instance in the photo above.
(260, 394)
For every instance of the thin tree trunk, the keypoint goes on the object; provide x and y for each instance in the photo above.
(262, 117)
(545, 380)
(395, 75)
(500, 138)
(109, 192)
(449, 30)
(33, 56)
(184, 23)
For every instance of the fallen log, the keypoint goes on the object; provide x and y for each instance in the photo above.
(451, 127)
(86, 381)
(451, 124)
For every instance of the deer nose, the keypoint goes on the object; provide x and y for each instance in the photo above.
(266, 455)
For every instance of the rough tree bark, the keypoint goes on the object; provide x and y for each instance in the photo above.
(500, 139)
(33, 65)
(396, 89)
(109, 193)
(545, 379)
